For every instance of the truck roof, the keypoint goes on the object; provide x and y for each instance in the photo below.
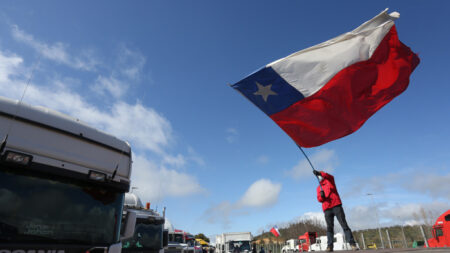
(237, 236)
(146, 213)
(60, 141)
(132, 200)
(168, 225)
(60, 121)
(445, 217)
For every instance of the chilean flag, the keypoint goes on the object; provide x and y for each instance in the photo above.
(275, 231)
(328, 91)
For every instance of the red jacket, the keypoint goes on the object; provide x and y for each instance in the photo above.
(332, 198)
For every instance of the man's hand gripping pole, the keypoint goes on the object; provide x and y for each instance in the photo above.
(314, 171)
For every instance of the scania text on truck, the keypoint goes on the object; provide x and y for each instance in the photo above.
(441, 232)
(230, 242)
(148, 233)
(62, 183)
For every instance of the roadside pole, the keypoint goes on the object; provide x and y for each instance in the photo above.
(364, 242)
(404, 238)
(378, 220)
(424, 237)
(389, 238)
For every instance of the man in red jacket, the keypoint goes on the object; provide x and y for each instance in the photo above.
(328, 195)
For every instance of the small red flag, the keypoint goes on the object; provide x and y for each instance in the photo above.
(275, 231)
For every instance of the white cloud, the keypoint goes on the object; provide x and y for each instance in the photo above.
(176, 161)
(142, 126)
(57, 52)
(368, 216)
(145, 128)
(155, 182)
(220, 213)
(263, 159)
(426, 182)
(315, 216)
(193, 156)
(432, 184)
(111, 85)
(130, 63)
(261, 193)
(9, 65)
(125, 73)
(324, 160)
(232, 135)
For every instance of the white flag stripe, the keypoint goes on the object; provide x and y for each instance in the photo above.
(310, 69)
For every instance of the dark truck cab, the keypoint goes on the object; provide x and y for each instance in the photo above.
(62, 183)
(148, 235)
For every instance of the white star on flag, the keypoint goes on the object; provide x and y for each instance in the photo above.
(264, 91)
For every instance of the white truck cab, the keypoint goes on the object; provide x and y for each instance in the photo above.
(338, 243)
(175, 239)
(291, 246)
(62, 183)
(234, 242)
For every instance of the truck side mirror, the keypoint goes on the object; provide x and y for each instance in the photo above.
(165, 238)
(129, 225)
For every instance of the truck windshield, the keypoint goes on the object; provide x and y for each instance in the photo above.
(439, 232)
(146, 236)
(190, 242)
(239, 245)
(178, 238)
(50, 210)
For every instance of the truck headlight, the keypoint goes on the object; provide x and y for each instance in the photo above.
(17, 158)
(97, 176)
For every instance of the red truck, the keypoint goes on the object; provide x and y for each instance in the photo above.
(305, 241)
(441, 232)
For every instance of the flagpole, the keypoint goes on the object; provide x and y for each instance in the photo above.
(307, 158)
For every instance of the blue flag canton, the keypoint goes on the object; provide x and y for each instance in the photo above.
(268, 90)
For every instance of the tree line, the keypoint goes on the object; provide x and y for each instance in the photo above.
(294, 229)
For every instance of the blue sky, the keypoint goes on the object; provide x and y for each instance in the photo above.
(155, 73)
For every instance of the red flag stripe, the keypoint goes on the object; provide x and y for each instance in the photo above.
(351, 96)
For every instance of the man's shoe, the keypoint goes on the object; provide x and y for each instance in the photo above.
(354, 248)
(329, 249)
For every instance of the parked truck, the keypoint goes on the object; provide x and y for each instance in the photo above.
(175, 239)
(441, 232)
(191, 245)
(338, 243)
(231, 242)
(302, 244)
(306, 240)
(62, 183)
(291, 246)
(149, 229)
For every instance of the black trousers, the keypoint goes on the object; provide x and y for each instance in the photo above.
(337, 211)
